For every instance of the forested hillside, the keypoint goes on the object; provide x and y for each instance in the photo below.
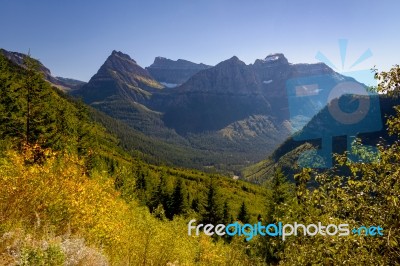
(71, 195)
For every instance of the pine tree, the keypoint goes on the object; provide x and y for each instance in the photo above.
(212, 209)
(160, 196)
(226, 214)
(39, 115)
(141, 182)
(195, 205)
(243, 215)
(11, 122)
(178, 200)
(280, 192)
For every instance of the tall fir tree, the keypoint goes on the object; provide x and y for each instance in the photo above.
(226, 213)
(279, 194)
(212, 210)
(159, 196)
(281, 190)
(39, 118)
(178, 200)
(243, 215)
(11, 107)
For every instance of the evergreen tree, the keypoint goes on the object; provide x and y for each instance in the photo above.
(195, 205)
(155, 198)
(212, 210)
(39, 118)
(243, 215)
(280, 191)
(141, 182)
(226, 214)
(160, 196)
(11, 106)
(141, 186)
(178, 200)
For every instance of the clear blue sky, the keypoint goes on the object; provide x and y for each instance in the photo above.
(74, 37)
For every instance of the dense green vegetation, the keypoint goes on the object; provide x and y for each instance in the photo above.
(67, 185)
(70, 195)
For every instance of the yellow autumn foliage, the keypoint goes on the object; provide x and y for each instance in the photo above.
(57, 198)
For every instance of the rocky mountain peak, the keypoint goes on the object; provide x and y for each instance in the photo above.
(232, 63)
(124, 65)
(162, 62)
(230, 76)
(233, 60)
(121, 55)
(272, 60)
(119, 76)
(174, 72)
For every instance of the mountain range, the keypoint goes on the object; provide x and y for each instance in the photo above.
(236, 110)
(223, 117)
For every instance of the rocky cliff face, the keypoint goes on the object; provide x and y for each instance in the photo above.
(173, 73)
(123, 90)
(232, 91)
(215, 98)
(233, 107)
(231, 76)
(119, 77)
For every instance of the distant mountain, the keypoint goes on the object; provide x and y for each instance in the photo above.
(224, 117)
(123, 89)
(232, 91)
(173, 73)
(73, 84)
(61, 83)
(236, 111)
(214, 98)
(119, 77)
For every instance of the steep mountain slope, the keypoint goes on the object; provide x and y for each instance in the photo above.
(215, 98)
(286, 156)
(243, 109)
(173, 73)
(61, 83)
(232, 91)
(73, 84)
(122, 89)
(234, 113)
(223, 117)
(234, 109)
(119, 77)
